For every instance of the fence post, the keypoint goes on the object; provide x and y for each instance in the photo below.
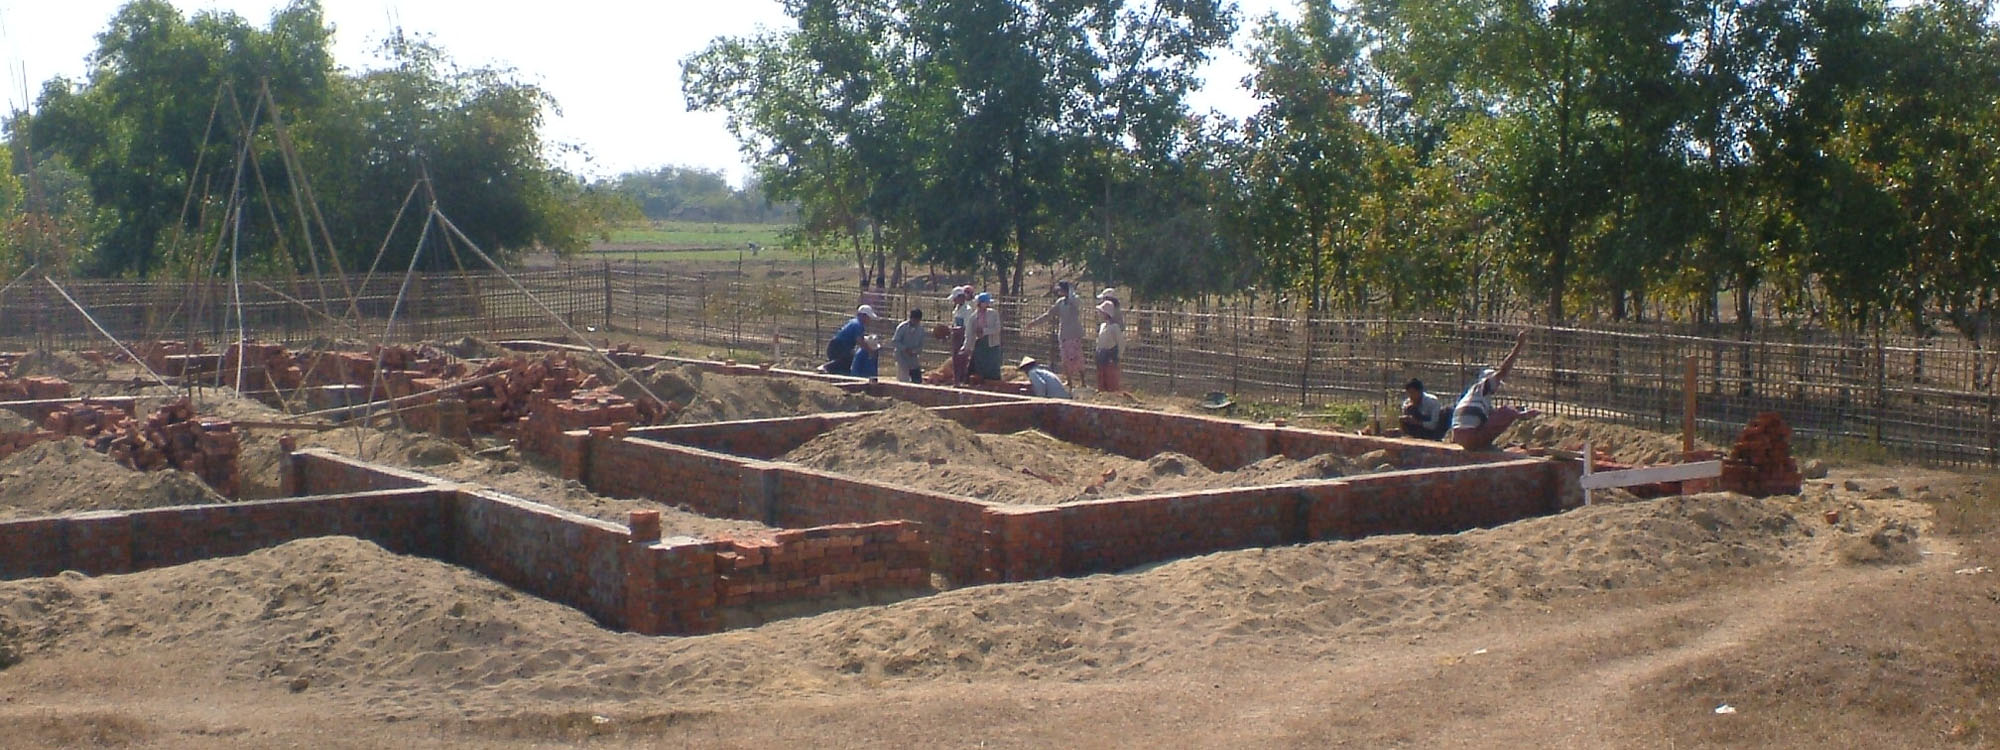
(1173, 361)
(607, 296)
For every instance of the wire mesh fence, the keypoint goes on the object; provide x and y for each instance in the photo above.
(1919, 399)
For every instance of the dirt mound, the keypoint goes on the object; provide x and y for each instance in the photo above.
(11, 422)
(911, 446)
(1624, 444)
(708, 397)
(56, 364)
(329, 611)
(65, 476)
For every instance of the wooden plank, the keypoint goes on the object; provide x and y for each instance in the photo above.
(1652, 475)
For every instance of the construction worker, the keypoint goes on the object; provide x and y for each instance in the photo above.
(961, 313)
(840, 350)
(1068, 313)
(982, 338)
(1110, 339)
(1476, 423)
(867, 357)
(1041, 382)
(909, 345)
(1423, 414)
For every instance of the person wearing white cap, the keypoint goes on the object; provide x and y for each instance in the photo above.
(982, 338)
(840, 350)
(1110, 339)
(1476, 423)
(1041, 382)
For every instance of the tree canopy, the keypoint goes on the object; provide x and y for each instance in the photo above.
(189, 125)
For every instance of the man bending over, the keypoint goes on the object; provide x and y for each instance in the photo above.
(1476, 423)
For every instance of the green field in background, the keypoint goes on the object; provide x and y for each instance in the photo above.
(700, 235)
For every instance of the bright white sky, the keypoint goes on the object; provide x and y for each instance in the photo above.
(613, 65)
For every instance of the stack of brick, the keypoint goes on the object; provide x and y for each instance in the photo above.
(175, 357)
(171, 438)
(33, 388)
(1761, 465)
(800, 564)
(263, 365)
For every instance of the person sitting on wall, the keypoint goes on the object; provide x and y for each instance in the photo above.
(1424, 416)
(1475, 424)
(840, 350)
(1041, 382)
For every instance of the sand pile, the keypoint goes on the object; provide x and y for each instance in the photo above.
(11, 422)
(473, 347)
(57, 364)
(708, 397)
(1624, 444)
(65, 476)
(910, 446)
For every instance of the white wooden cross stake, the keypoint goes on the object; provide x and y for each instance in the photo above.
(1594, 480)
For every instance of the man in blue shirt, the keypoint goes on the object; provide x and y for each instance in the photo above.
(1041, 382)
(840, 351)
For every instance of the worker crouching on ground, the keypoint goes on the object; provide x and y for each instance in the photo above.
(1110, 339)
(961, 314)
(867, 357)
(982, 339)
(1423, 414)
(840, 350)
(1476, 423)
(909, 346)
(1041, 382)
(1068, 313)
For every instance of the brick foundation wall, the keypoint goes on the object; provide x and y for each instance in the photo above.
(936, 395)
(818, 562)
(1432, 501)
(321, 472)
(1119, 533)
(711, 484)
(547, 552)
(756, 438)
(1219, 444)
(956, 526)
(37, 410)
(112, 542)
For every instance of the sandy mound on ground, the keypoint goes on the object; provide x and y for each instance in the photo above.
(406, 636)
(11, 422)
(708, 397)
(56, 364)
(473, 347)
(65, 476)
(1624, 444)
(911, 446)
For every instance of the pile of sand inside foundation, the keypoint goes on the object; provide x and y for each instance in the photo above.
(910, 446)
(709, 397)
(404, 636)
(58, 477)
(57, 364)
(473, 347)
(1624, 444)
(11, 422)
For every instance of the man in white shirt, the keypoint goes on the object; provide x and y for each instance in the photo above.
(1041, 382)
(1476, 423)
(1423, 414)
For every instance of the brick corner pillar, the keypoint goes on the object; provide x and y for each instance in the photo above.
(291, 471)
(1028, 544)
(572, 452)
(642, 593)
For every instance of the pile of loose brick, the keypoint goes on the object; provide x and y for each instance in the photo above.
(171, 438)
(805, 563)
(32, 388)
(1760, 464)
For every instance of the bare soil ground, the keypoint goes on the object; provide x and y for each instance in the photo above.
(1622, 625)
(1863, 613)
